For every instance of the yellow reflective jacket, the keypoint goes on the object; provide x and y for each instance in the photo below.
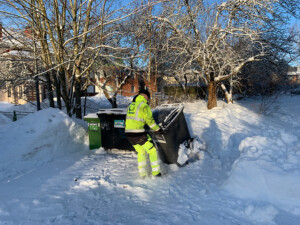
(138, 114)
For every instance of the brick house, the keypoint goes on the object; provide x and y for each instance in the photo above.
(12, 52)
(294, 75)
(114, 76)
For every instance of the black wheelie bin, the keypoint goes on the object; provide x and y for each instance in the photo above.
(174, 131)
(112, 122)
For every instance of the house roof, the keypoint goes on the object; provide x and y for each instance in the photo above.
(15, 40)
(294, 71)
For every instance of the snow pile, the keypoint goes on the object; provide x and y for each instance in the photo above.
(93, 104)
(268, 169)
(190, 150)
(100, 102)
(248, 173)
(5, 105)
(103, 102)
(38, 139)
(259, 155)
(4, 119)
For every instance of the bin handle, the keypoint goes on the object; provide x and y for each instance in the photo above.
(176, 110)
(171, 105)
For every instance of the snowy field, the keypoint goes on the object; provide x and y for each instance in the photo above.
(249, 174)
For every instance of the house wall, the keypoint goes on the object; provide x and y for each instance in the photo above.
(294, 75)
(131, 87)
(3, 96)
(13, 96)
(21, 94)
(11, 49)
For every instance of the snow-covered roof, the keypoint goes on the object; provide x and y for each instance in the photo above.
(15, 39)
(294, 71)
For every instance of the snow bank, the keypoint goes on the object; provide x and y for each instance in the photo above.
(37, 139)
(102, 102)
(268, 169)
(5, 105)
(249, 174)
(259, 155)
(4, 119)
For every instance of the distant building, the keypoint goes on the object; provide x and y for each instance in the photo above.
(12, 52)
(112, 77)
(21, 94)
(294, 75)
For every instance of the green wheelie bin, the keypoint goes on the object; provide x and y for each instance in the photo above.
(94, 130)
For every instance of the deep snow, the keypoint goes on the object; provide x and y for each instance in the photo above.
(249, 173)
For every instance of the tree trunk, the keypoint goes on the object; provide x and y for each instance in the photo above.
(65, 93)
(84, 104)
(112, 100)
(37, 88)
(228, 95)
(58, 94)
(57, 90)
(50, 90)
(71, 96)
(78, 98)
(212, 95)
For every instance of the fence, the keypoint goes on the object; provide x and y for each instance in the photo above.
(15, 115)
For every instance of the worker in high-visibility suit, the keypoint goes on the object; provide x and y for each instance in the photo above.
(138, 115)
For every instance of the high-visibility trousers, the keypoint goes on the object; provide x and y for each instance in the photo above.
(143, 150)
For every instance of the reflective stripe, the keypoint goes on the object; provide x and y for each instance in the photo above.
(142, 170)
(135, 131)
(141, 164)
(155, 169)
(136, 114)
(153, 125)
(138, 108)
(134, 118)
(155, 163)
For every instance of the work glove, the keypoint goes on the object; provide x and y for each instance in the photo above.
(159, 131)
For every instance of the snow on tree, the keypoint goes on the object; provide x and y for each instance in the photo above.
(72, 35)
(213, 40)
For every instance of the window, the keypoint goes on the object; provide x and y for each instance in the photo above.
(30, 93)
(132, 89)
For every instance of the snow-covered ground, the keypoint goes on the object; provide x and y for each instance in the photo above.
(249, 174)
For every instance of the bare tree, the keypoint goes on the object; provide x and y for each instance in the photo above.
(73, 35)
(203, 37)
(131, 60)
(16, 61)
(193, 40)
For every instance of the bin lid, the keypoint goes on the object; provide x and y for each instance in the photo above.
(91, 116)
(115, 111)
(166, 114)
